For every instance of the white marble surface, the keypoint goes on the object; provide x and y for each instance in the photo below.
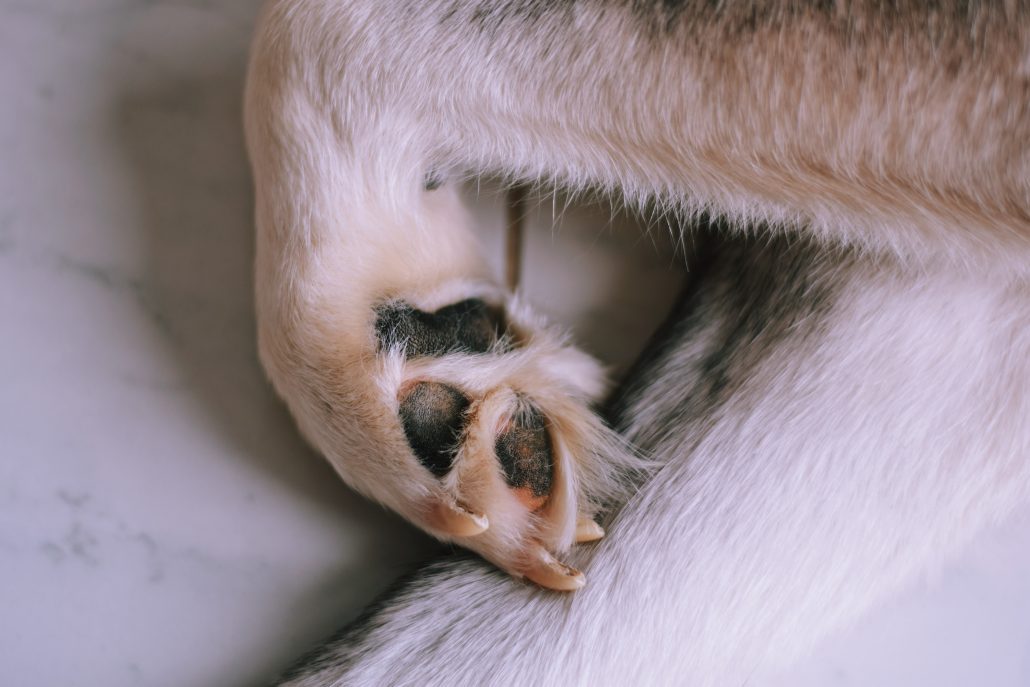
(160, 521)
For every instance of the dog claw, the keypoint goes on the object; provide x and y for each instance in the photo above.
(587, 530)
(453, 519)
(550, 573)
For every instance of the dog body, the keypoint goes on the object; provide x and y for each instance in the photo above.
(838, 403)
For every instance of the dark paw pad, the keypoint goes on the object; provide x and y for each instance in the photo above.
(525, 453)
(469, 326)
(433, 416)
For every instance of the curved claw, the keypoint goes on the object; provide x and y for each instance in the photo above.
(587, 530)
(550, 573)
(454, 520)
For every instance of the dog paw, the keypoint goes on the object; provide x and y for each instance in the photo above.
(494, 408)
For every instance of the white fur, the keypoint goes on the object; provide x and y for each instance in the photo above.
(845, 463)
(862, 448)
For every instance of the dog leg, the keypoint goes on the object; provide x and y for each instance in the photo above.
(900, 127)
(830, 426)
(428, 387)
(902, 131)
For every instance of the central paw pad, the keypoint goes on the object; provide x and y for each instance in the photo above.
(470, 326)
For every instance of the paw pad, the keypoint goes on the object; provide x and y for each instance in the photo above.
(433, 416)
(526, 456)
(469, 326)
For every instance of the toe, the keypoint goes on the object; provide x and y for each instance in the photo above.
(526, 455)
(550, 573)
(587, 530)
(454, 519)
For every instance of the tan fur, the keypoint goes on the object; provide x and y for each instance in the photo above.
(901, 130)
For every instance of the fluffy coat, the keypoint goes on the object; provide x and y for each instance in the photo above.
(838, 409)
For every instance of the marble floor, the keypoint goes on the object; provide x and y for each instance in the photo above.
(161, 522)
